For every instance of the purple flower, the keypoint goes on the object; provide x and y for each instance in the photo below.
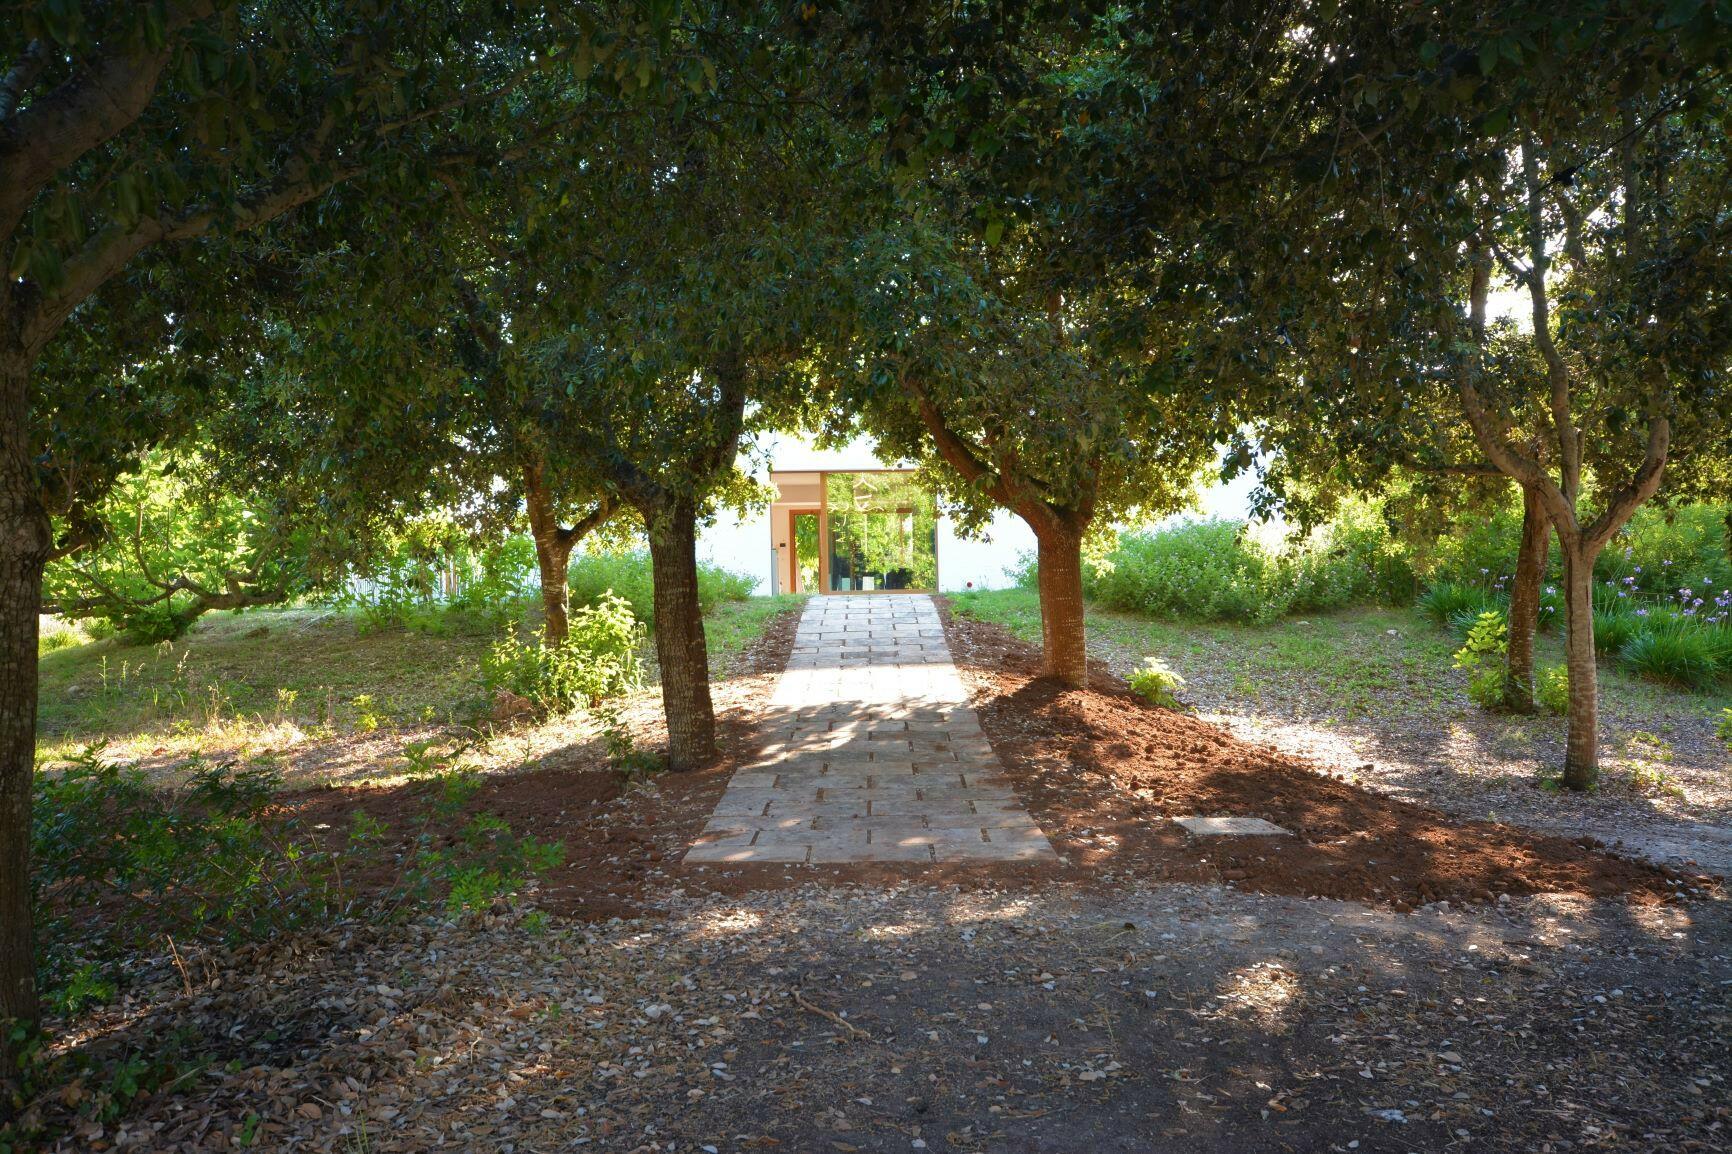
(1641, 613)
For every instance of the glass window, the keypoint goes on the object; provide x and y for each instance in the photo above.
(883, 533)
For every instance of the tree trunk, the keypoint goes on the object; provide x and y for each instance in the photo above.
(25, 539)
(679, 631)
(1581, 744)
(1524, 603)
(1064, 639)
(552, 556)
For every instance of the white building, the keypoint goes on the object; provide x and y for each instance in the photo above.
(846, 521)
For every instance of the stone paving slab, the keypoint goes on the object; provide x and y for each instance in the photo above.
(1229, 826)
(874, 753)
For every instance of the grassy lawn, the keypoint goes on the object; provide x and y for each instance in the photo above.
(253, 681)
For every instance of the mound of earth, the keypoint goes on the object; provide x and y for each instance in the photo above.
(1105, 773)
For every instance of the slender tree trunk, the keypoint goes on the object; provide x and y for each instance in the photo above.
(1581, 744)
(1524, 603)
(679, 631)
(25, 539)
(1064, 639)
(552, 555)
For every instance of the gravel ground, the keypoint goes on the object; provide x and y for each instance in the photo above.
(845, 1018)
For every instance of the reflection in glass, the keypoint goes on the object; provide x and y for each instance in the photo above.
(883, 533)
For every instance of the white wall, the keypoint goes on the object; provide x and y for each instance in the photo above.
(981, 564)
(744, 543)
(740, 544)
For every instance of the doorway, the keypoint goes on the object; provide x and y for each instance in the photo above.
(808, 551)
(882, 534)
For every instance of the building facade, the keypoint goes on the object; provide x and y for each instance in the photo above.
(845, 521)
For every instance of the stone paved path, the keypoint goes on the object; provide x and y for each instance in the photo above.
(875, 754)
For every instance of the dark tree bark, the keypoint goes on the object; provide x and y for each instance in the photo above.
(1581, 744)
(679, 630)
(1524, 603)
(25, 543)
(1058, 532)
(553, 545)
(668, 492)
(552, 555)
(1064, 639)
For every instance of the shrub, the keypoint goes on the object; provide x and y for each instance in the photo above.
(1661, 549)
(1676, 652)
(627, 575)
(1723, 727)
(1445, 601)
(1200, 569)
(1614, 629)
(599, 659)
(434, 580)
(1552, 689)
(1478, 549)
(1157, 684)
(56, 635)
(1481, 657)
(211, 861)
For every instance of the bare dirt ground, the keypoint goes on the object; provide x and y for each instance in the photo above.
(1136, 997)
(1370, 692)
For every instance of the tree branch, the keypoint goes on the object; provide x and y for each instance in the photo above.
(100, 100)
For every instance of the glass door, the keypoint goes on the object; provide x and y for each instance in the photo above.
(883, 534)
(808, 558)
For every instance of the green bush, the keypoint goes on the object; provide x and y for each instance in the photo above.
(1198, 569)
(1662, 550)
(1723, 727)
(435, 580)
(1614, 629)
(1157, 684)
(598, 660)
(1481, 657)
(211, 861)
(1678, 652)
(627, 575)
(1445, 601)
(1478, 550)
(1552, 689)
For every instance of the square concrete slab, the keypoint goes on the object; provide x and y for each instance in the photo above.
(1230, 826)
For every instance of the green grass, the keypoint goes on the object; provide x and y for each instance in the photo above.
(733, 626)
(237, 677)
(1348, 661)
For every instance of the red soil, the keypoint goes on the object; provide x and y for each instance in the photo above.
(1104, 773)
